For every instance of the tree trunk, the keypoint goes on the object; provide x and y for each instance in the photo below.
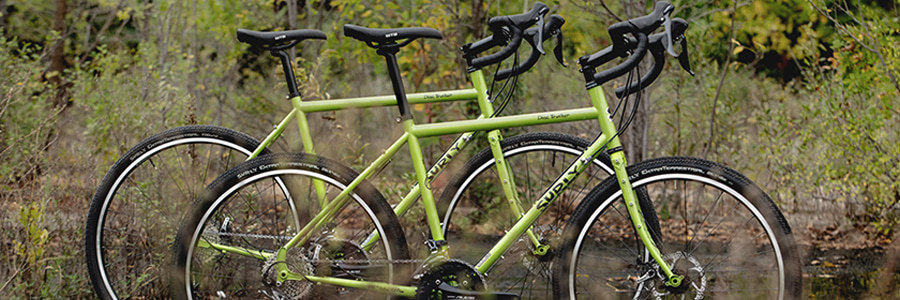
(634, 138)
(292, 24)
(57, 56)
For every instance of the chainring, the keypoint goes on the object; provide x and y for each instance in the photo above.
(456, 273)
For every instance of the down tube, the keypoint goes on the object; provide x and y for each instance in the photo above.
(562, 182)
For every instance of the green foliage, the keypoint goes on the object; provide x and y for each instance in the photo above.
(25, 115)
(31, 218)
(843, 143)
(778, 26)
(31, 21)
(133, 95)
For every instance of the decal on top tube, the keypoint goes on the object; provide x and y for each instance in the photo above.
(438, 96)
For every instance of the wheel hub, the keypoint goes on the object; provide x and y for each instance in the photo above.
(297, 263)
(694, 281)
(338, 258)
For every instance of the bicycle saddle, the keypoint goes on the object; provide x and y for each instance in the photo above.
(389, 35)
(276, 38)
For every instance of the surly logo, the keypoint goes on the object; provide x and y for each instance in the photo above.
(560, 185)
(441, 163)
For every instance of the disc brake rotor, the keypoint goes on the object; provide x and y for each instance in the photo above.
(694, 277)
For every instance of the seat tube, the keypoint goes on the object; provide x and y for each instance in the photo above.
(302, 124)
(415, 149)
(432, 218)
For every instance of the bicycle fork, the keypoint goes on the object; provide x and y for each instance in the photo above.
(617, 156)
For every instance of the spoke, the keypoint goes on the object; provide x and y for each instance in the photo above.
(209, 160)
(713, 259)
(180, 188)
(697, 226)
(153, 204)
(627, 219)
(611, 250)
(713, 230)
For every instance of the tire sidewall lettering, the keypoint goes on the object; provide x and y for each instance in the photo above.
(289, 165)
(706, 172)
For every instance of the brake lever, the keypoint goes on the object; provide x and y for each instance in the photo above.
(558, 49)
(539, 42)
(684, 58)
(667, 22)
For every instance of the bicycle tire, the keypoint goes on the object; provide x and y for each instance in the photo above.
(246, 207)
(472, 228)
(137, 207)
(731, 243)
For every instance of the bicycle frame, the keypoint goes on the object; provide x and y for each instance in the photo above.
(608, 139)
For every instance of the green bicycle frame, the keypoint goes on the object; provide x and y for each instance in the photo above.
(479, 93)
(412, 133)
(300, 109)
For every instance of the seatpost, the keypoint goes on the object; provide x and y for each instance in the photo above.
(293, 91)
(390, 55)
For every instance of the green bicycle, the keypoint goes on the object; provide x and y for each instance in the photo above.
(665, 228)
(136, 210)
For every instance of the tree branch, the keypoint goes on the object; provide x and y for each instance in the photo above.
(99, 35)
(609, 11)
(877, 45)
(712, 117)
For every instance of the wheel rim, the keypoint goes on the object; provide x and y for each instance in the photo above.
(146, 262)
(703, 233)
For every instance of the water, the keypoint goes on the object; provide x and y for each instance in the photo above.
(849, 274)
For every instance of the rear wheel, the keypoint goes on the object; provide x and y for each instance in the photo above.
(477, 212)
(716, 228)
(259, 206)
(137, 207)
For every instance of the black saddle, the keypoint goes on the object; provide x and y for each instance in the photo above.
(380, 36)
(277, 39)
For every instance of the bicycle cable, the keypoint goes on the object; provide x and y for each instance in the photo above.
(637, 101)
(509, 93)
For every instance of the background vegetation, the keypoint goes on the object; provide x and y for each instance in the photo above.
(800, 95)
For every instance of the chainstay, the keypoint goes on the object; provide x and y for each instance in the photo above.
(285, 238)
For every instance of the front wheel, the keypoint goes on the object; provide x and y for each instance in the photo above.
(226, 246)
(717, 228)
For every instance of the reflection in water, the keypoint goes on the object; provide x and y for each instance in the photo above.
(849, 274)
